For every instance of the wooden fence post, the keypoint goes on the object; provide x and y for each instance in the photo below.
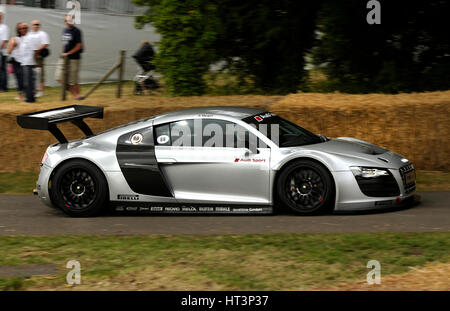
(121, 72)
(65, 77)
(101, 81)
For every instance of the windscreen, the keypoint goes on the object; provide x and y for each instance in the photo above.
(282, 132)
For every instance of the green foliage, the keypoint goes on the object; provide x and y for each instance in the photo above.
(188, 30)
(409, 50)
(227, 83)
(264, 40)
(267, 40)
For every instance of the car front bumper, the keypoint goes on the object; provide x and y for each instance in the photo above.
(349, 196)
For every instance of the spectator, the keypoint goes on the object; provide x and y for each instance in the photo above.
(4, 36)
(15, 59)
(72, 48)
(42, 41)
(145, 55)
(27, 52)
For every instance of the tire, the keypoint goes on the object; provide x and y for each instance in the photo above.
(306, 188)
(79, 189)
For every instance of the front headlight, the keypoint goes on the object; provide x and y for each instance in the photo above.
(368, 172)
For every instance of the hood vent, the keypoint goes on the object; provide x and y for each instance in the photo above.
(383, 159)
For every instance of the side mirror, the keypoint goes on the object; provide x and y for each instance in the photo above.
(322, 137)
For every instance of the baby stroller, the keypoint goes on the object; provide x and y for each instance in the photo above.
(144, 78)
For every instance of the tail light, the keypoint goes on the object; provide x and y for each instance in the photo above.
(44, 158)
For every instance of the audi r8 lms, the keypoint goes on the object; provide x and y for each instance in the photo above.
(226, 160)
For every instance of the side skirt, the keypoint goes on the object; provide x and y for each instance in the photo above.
(193, 209)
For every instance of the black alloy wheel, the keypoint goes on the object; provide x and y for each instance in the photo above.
(79, 188)
(306, 187)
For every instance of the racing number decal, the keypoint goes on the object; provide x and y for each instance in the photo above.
(163, 139)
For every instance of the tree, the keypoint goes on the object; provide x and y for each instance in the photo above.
(188, 30)
(408, 51)
(267, 40)
(262, 39)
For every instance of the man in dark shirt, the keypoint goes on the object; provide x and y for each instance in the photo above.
(144, 55)
(72, 48)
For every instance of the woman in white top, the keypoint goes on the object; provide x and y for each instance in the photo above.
(15, 54)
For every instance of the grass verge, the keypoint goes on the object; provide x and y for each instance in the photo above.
(25, 182)
(18, 183)
(433, 180)
(243, 262)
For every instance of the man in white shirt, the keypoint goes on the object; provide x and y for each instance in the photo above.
(41, 40)
(28, 49)
(4, 37)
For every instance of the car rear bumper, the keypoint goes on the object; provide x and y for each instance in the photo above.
(42, 185)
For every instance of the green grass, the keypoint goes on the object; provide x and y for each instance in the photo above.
(433, 180)
(20, 182)
(244, 262)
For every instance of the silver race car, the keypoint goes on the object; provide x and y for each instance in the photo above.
(225, 160)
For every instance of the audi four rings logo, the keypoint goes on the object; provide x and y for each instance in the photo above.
(137, 138)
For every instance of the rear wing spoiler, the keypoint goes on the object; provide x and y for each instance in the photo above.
(48, 119)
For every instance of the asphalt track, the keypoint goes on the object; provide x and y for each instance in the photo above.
(26, 215)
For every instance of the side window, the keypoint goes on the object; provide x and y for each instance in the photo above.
(221, 133)
(182, 133)
(213, 133)
(162, 135)
(210, 133)
(179, 133)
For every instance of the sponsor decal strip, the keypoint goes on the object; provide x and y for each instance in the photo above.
(184, 209)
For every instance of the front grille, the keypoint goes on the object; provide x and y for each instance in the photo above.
(382, 186)
(411, 186)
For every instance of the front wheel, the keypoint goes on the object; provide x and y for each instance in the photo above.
(306, 188)
(79, 189)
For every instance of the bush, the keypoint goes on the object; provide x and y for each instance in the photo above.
(188, 30)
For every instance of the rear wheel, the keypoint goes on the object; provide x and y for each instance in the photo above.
(306, 187)
(79, 189)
